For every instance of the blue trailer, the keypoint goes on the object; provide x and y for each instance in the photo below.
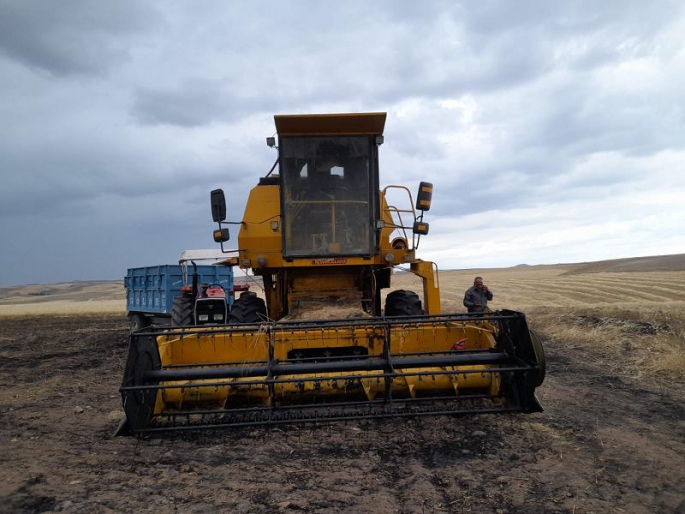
(151, 290)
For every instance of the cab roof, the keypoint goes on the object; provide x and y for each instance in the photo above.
(344, 124)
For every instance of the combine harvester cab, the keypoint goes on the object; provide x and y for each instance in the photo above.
(321, 347)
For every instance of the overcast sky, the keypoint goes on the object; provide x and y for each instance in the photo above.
(552, 131)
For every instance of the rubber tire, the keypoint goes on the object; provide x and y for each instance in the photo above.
(249, 308)
(138, 321)
(403, 303)
(183, 311)
(143, 355)
(539, 357)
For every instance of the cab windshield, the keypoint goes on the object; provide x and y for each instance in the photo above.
(326, 196)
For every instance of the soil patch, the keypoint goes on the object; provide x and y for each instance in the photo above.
(605, 443)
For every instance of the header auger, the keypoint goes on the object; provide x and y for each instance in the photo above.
(320, 346)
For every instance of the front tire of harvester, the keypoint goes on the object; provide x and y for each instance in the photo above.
(539, 357)
(139, 405)
(182, 311)
(403, 303)
(138, 321)
(249, 308)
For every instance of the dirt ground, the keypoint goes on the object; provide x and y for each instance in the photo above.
(605, 443)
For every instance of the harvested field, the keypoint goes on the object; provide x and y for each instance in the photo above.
(611, 439)
(86, 297)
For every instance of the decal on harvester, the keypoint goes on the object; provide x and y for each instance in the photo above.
(331, 260)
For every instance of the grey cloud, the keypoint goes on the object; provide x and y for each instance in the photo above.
(196, 103)
(177, 102)
(477, 194)
(445, 51)
(78, 37)
(192, 104)
(337, 65)
(578, 119)
(64, 175)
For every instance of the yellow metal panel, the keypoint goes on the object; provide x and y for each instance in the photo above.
(335, 384)
(431, 287)
(256, 237)
(181, 348)
(238, 346)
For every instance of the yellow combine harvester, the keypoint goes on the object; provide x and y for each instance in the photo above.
(324, 239)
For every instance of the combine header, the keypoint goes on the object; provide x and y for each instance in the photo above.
(325, 240)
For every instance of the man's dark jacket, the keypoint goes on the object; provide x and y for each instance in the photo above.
(475, 300)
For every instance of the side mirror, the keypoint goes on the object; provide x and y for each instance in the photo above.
(423, 199)
(221, 235)
(420, 228)
(218, 205)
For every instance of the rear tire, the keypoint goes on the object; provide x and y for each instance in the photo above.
(182, 311)
(249, 308)
(403, 303)
(138, 321)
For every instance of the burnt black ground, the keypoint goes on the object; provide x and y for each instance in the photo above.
(605, 443)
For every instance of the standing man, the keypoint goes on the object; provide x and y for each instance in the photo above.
(476, 297)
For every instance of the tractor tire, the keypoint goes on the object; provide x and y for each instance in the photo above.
(138, 321)
(183, 311)
(249, 308)
(539, 357)
(403, 303)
